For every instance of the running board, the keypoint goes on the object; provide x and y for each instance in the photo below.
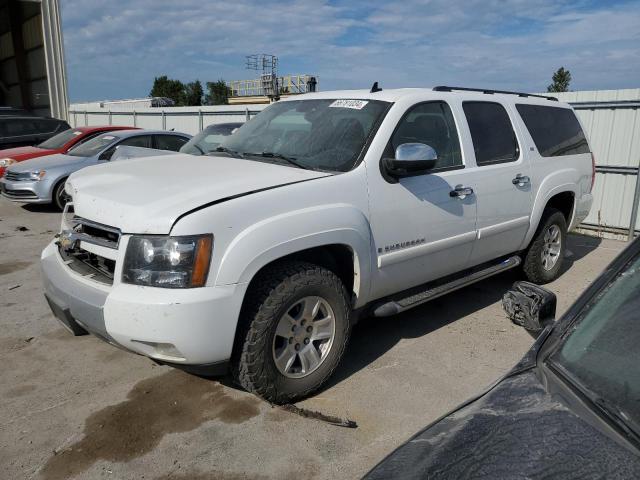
(397, 306)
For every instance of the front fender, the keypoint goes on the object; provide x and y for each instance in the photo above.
(279, 236)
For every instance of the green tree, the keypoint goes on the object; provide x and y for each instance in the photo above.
(193, 94)
(218, 93)
(561, 80)
(167, 87)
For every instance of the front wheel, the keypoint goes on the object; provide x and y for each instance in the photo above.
(294, 330)
(543, 260)
(60, 197)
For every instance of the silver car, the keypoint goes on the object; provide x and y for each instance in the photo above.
(202, 143)
(41, 180)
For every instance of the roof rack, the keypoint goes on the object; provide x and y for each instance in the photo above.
(444, 88)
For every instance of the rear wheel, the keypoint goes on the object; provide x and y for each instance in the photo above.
(60, 197)
(294, 330)
(543, 260)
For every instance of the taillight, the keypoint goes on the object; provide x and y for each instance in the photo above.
(593, 171)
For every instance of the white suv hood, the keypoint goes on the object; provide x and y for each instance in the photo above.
(147, 195)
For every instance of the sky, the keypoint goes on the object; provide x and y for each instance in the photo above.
(115, 48)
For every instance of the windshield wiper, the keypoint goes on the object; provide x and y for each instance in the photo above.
(279, 156)
(229, 151)
(199, 149)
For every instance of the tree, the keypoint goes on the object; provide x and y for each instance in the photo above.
(561, 80)
(193, 94)
(167, 87)
(217, 93)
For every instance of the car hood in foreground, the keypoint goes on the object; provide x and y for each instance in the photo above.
(517, 430)
(147, 195)
(24, 153)
(47, 162)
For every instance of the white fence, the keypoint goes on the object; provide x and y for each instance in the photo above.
(181, 119)
(610, 117)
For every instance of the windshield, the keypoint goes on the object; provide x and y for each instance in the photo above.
(315, 134)
(209, 139)
(602, 352)
(92, 147)
(60, 140)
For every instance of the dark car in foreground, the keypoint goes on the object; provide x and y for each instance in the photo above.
(25, 130)
(570, 409)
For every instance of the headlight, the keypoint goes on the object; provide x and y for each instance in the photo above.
(168, 262)
(5, 162)
(37, 175)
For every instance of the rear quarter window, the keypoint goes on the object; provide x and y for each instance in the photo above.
(555, 130)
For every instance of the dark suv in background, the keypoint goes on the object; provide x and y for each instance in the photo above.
(23, 130)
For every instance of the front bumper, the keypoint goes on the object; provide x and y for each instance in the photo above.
(25, 192)
(183, 327)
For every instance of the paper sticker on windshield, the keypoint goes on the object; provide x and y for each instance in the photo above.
(108, 137)
(346, 103)
(77, 133)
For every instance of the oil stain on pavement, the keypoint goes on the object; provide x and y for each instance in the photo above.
(169, 403)
(12, 267)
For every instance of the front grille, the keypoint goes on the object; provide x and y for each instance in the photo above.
(9, 175)
(89, 264)
(84, 262)
(96, 233)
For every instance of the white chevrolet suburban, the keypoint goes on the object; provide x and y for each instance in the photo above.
(322, 208)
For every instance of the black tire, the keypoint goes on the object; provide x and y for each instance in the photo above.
(533, 265)
(275, 291)
(59, 196)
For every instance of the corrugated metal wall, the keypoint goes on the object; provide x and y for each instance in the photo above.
(612, 122)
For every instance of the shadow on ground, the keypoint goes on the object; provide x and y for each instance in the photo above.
(40, 207)
(578, 246)
(376, 336)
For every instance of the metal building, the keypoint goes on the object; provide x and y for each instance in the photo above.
(32, 68)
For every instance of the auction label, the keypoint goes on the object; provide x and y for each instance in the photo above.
(347, 103)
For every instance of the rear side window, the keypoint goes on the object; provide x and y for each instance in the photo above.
(169, 142)
(555, 131)
(137, 141)
(494, 140)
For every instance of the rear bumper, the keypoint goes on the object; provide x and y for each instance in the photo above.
(583, 206)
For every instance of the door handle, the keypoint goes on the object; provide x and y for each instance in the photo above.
(521, 180)
(461, 192)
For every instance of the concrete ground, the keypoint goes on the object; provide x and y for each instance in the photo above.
(79, 408)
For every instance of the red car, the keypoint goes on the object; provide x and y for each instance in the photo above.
(60, 143)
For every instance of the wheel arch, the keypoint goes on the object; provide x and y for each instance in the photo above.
(563, 198)
(55, 183)
(339, 239)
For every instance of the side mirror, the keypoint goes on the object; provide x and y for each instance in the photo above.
(411, 159)
(530, 306)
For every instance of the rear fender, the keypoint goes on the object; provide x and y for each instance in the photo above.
(558, 182)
